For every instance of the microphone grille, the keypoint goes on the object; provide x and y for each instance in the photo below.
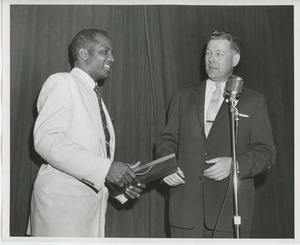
(234, 85)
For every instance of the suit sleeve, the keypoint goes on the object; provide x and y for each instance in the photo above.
(51, 135)
(167, 142)
(261, 154)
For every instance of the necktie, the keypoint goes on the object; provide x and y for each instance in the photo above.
(104, 122)
(213, 108)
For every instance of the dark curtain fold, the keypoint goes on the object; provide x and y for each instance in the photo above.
(157, 49)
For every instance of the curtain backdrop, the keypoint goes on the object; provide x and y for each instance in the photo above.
(157, 49)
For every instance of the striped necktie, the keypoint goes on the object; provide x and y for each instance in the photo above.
(104, 122)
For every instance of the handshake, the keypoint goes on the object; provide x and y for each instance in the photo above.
(128, 181)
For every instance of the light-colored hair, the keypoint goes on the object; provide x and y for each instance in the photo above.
(234, 41)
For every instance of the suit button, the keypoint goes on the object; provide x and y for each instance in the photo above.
(205, 154)
(199, 178)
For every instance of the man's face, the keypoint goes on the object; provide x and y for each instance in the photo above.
(220, 60)
(100, 58)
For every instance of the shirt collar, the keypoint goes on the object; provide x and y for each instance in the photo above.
(86, 76)
(211, 84)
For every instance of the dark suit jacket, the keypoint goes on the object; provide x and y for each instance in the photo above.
(184, 135)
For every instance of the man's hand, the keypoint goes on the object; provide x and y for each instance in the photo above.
(175, 179)
(120, 174)
(220, 170)
(134, 192)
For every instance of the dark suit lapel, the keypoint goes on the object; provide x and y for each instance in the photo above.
(224, 109)
(199, 96)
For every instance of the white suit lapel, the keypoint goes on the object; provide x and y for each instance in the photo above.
(91, 105)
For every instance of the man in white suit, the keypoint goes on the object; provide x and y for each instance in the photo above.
(69, 197)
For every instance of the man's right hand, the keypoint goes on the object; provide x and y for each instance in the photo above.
(175, 179)
(120, 174)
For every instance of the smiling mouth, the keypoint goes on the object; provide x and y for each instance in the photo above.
(107, 66)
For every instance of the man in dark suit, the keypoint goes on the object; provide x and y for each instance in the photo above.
(198, 131)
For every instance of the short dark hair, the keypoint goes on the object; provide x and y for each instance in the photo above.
(84, 39)
(235, 42)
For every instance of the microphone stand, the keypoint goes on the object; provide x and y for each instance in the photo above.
(234, 125)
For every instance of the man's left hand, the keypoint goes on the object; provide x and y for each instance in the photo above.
(220, 170)
(134, 192)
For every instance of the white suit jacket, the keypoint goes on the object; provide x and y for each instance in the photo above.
(69, 196)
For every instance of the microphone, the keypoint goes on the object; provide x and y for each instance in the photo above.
(234, 87)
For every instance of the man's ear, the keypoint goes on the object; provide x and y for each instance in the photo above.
(235, 59)
(83, 54)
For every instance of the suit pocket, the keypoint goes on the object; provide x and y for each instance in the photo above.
(68, 188)
(52, 181)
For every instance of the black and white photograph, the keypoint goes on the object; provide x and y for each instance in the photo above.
(149, 122)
